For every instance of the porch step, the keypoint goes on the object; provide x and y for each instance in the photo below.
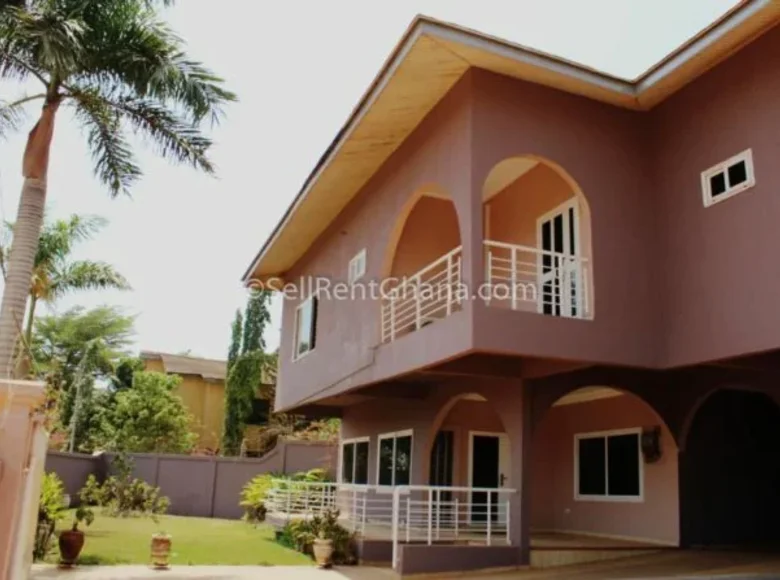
(554, 557)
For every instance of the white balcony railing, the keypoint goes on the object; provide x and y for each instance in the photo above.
(425, 296)
(536, 280)
(402, 514)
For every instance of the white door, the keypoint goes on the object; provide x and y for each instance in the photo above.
(559, 268)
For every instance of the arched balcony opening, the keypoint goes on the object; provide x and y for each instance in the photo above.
(423, 267)
(537, 232)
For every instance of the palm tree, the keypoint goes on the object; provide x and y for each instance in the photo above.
(119, 68)
(55, 274)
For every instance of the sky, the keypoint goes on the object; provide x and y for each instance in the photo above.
(299, 67)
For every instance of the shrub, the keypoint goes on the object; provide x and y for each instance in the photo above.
(253, 497)
(50, 509)
(300, 535)
(123, 495)
(254, 493)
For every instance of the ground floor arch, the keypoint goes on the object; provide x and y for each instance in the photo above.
(604, 463)
(730, 471)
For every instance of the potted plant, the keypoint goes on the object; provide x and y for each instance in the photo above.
(322, 546)
(72, 541)
(161, 550)
(324, 529)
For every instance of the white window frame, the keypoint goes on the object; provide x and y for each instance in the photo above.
(295, 355)
(747, 157)
(357, 267)
(394, 435)
(353, 441)
(609, 498)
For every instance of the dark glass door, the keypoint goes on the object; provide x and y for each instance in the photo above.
(484, 473)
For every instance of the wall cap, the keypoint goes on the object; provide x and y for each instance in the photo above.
(22, 392)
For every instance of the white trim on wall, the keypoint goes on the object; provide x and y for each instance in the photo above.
(745, 156)
(393, 435)
(340, 466)
(312, 297)
(606, 497)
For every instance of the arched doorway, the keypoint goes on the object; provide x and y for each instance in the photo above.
(471, 449)
(730, 471)
(537, 232)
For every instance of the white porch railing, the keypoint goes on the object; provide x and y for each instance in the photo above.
(402, 514)
(532, 279)
(423, 297)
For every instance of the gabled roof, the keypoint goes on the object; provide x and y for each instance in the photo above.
(209, 369)
(430, 58)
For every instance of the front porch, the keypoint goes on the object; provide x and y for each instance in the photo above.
(386, 520)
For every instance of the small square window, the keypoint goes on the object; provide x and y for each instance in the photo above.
(728, 178)
(357, 267)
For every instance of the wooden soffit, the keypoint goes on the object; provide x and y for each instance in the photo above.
(430, 58)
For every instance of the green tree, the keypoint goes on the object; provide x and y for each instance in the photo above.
(150, 417)
(118, 67)
(124, 370)
(242, 383)
(257, 318)
(245, 370)
(72, 352)
(56, 274)
(235, 341)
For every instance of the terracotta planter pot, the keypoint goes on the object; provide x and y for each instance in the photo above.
(323, 552)
(161, 551)
(71, 542)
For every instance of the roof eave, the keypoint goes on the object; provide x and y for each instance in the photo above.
(642, 93)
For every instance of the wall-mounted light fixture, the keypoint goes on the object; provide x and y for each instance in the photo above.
(651, 444)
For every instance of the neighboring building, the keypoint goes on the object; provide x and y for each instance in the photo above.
(202, 390)
(627, 389)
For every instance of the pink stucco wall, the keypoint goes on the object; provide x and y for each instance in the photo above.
(19, 472)
(553, 506)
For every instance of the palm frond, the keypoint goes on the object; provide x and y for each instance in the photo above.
(58, 238)
(192, 86)
(172, 137)
(86, 275)
(147, 61)
(113, 158)
(11, 117)
(39, 40)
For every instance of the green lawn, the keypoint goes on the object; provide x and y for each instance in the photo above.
(194, 541)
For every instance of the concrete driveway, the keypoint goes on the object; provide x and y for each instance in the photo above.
(667, 565)
(210, 573)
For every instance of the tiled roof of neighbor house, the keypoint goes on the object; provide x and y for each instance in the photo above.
(209, 369)
(430, 58)
(189, 365)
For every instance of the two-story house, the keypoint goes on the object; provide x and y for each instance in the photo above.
(543, 299)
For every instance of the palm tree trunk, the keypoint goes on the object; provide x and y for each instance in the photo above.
(27, 229)
(30, 319)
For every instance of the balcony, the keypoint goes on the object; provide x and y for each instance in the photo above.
(534, 280)
(517, 277)
(427, 295)
(536, 251)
